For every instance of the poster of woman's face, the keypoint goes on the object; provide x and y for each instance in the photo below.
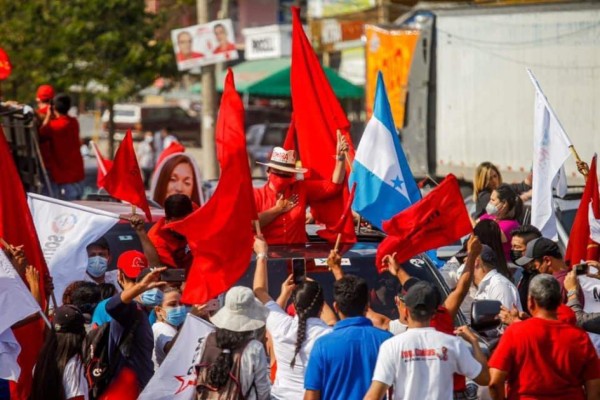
(177, 174)
(204, 44)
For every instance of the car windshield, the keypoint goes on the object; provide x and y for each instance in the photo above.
(274, 136)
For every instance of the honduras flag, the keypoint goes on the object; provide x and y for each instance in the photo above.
(384, 182)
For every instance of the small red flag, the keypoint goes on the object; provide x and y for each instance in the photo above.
(580, 246)
(348, 236)
(123, 387)
(124, 179)
(222, 247)
(17, 228)
(439, 219)
(104, 166)
(290, 137)
(5, 65)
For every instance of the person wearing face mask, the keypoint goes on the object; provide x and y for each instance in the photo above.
(170, 316)
(97, 264)
(505, 207)
(281, 203)
(520, 237)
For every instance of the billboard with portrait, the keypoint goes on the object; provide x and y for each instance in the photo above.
(204, 44)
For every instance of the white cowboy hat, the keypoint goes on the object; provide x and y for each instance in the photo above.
(284, 160)
(242, 311)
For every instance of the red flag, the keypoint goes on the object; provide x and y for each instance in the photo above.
(124, 180)
(317, 117)
(330, 233)
(222, 247)
(104, 166)
(580, 246)
(123, 387)
(17, 228)
(290, 137)
(439, 219)
(5, 65)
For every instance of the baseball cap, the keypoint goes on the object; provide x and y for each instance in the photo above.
(407, 285)
(68, 319)
(132, 263)
(488, 255)
(538, 248)
(45, 92)
(422, 299)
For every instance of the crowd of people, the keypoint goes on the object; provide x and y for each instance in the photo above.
(290, 342)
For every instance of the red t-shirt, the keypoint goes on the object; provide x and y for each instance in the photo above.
(545, 358)
(442, 322)
(290, 227)
(66, 165)
(172, 249)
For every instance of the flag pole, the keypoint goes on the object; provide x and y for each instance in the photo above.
(257, 227)
(577, 158)
(133, 209)
(337, 242)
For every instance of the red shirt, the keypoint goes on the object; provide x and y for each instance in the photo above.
(545, 358)
(172, 249)
(290, 227)
(442, 322)
(45, 144)
(66, 165)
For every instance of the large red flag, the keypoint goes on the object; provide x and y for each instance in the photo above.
(318, 116)
(580, 246)
(124, 180)
(104, 165)
(290, 137)
(439, 219)
(17, 228)
(220, 233)
(330, 233)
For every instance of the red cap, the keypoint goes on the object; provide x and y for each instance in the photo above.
(132, 263)
(45, 92)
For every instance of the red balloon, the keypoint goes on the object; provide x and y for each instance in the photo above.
(5, 66)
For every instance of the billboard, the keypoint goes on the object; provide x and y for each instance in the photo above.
(391, 52)
(199, 45)
(330, 8)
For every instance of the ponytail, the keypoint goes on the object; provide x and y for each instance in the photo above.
(308, 301)
(227, 341)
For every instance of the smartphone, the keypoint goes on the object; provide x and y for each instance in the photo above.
(173, 275)
(581, 269)
(298, 270)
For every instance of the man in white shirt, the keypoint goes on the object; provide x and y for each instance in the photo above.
(491, 285)
(419, 363)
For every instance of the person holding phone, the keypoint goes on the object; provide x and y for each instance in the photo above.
(293, 337)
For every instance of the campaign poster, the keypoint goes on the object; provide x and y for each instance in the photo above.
(205, 44)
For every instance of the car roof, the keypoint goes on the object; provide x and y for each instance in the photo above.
(119, 208)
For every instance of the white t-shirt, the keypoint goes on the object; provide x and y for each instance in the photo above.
(495, 286)
(254, 368)
(289, 383)
(396, 327)
(420, 363)
(109, 277)
(74, 380)
(163, 333)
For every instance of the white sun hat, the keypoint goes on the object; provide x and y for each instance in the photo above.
(242, 311)
(284, 160)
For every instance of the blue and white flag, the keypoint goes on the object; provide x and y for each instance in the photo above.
(384, 182)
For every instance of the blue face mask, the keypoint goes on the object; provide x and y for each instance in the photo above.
(152, 297)
(176, 315)
(97, 266)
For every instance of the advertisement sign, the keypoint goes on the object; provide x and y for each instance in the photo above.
(273, 41)
(329, 8)
(391, 52)
(199, 45)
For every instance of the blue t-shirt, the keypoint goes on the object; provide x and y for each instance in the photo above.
(341, 363)
(100, 315)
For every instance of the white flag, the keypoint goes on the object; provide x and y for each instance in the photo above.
(9, 351)
(550, 151)
(176, 376)
(65, 230)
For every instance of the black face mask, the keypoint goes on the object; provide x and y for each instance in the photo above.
(515, 255)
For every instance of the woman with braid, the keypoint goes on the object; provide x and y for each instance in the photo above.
(292, 337)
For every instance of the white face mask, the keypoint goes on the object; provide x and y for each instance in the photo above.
(148, 139)
(491, 209)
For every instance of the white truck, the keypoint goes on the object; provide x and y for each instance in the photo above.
(469, 98)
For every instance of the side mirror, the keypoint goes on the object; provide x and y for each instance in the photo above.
(484, 315)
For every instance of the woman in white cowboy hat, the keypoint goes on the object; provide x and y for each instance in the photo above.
(234, 364)
(281, 203)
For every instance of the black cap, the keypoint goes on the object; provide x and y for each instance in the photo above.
(407, 285)
(68, 319)
(102, 243)
(422, 299)
(488, 255)
(538, 248)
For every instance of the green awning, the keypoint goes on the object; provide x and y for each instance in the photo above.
(271, 78)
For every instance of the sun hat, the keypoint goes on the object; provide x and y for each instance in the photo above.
(242, 312)
(284, 160)
(132, 263)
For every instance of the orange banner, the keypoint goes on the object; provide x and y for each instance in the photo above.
(391, 52)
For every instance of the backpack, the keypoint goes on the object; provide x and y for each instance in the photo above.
(232, 390)
(99, 372)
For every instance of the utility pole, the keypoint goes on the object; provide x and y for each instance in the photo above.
(209, 151)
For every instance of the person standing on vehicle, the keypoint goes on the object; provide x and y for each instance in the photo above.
(281, 203)
(66, 164)
(341, 363)
(542, 357)
(99, 257)
(420, 363)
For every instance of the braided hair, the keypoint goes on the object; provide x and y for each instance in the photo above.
(228, 341)
(308, 301)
